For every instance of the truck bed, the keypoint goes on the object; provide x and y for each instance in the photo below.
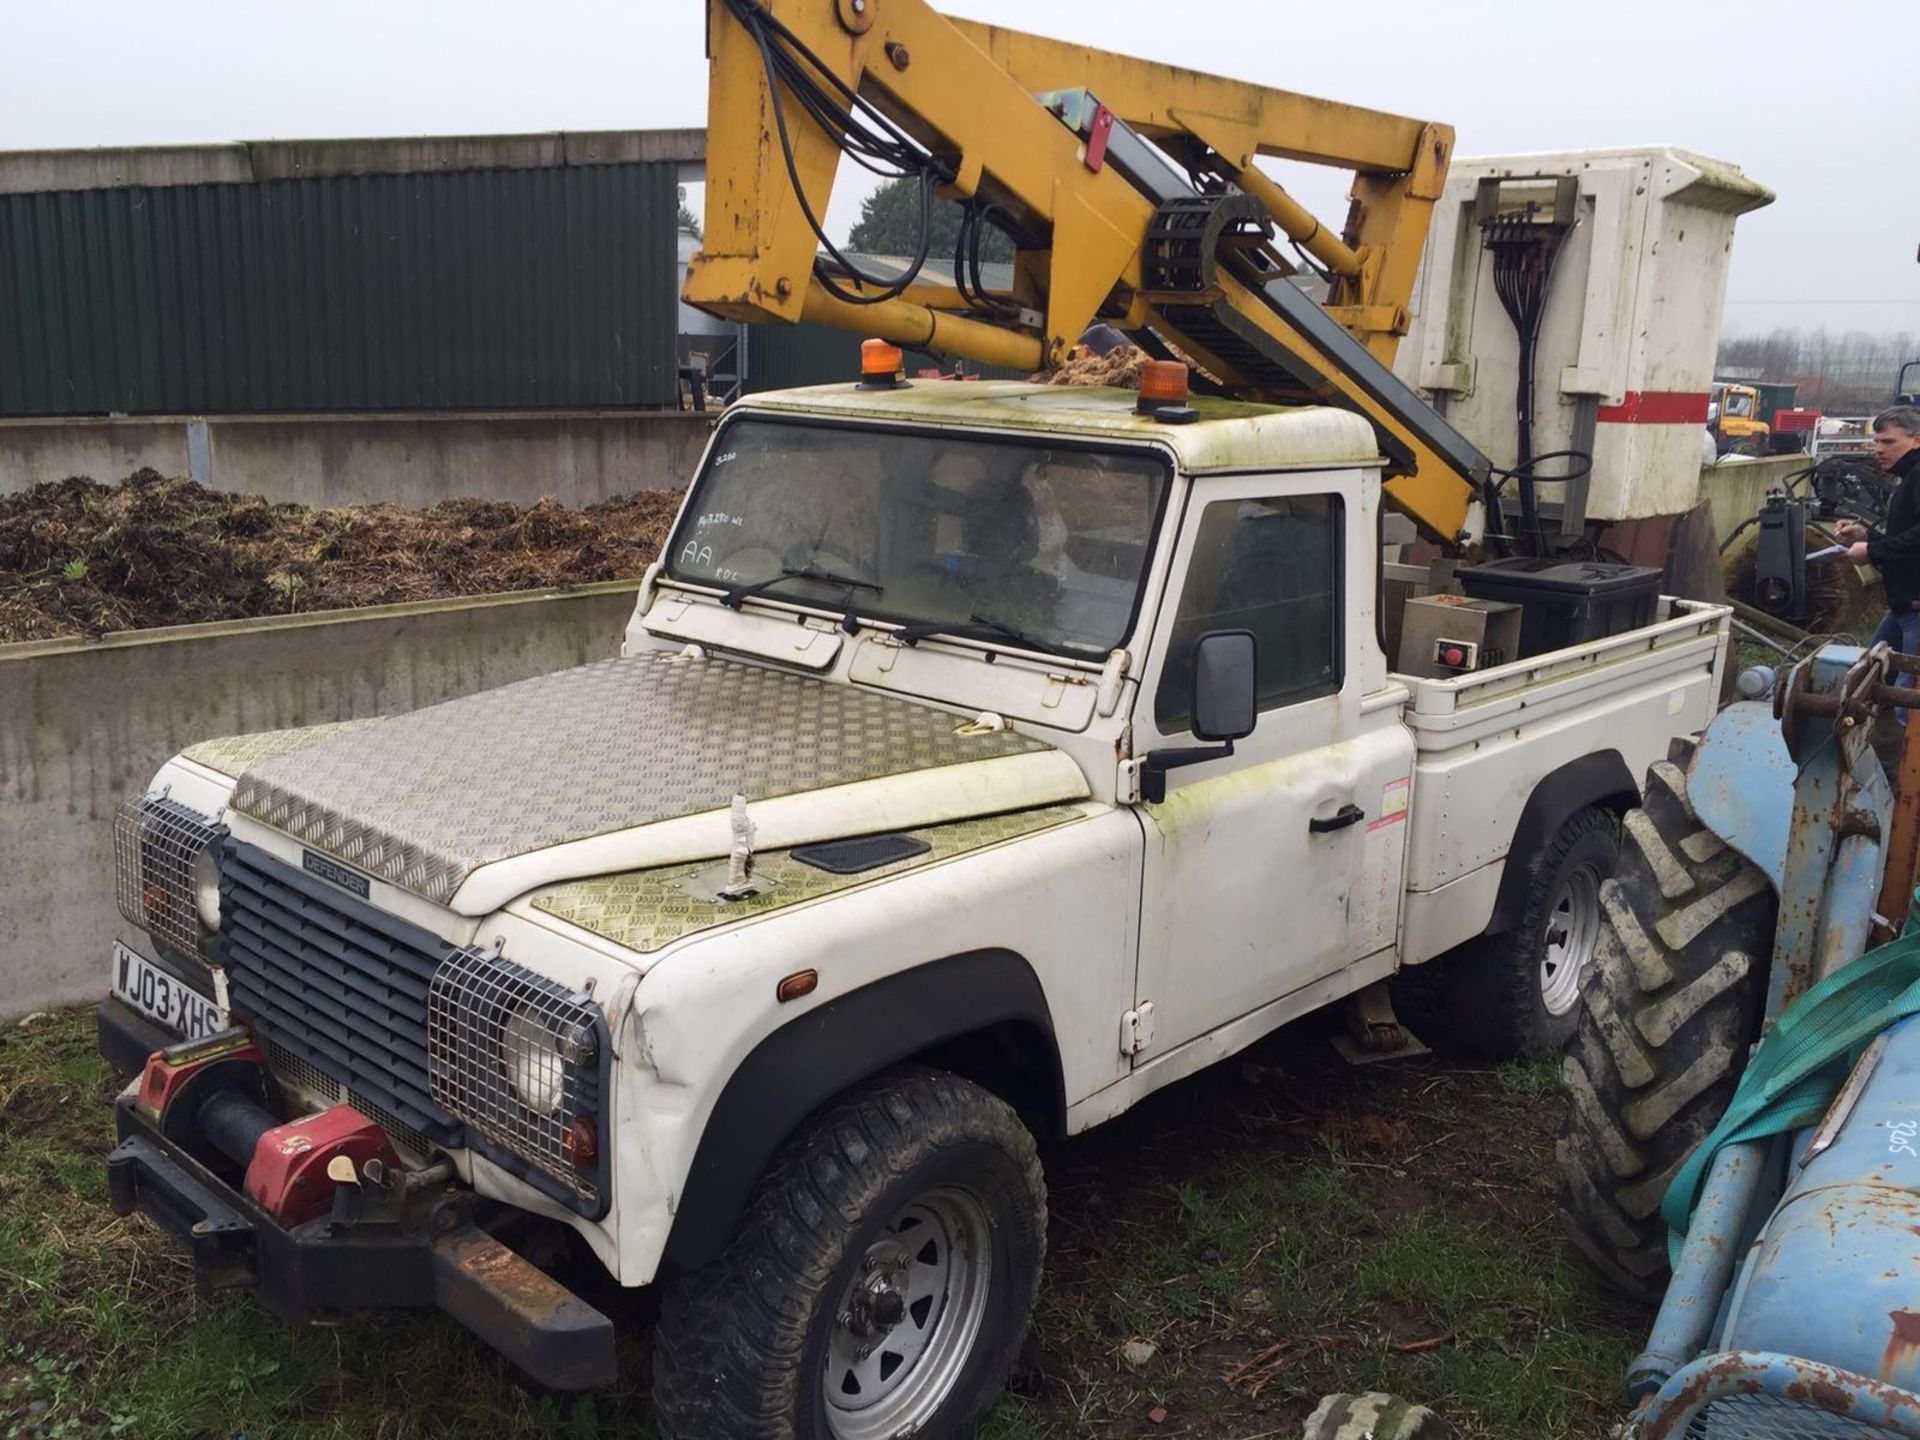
(1484, 741)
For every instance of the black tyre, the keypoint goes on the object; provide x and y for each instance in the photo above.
(880, 1282)
(1516, 995)
(1666, 1019)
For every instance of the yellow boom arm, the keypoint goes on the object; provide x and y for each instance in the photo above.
(1400, 165)
(966, 93)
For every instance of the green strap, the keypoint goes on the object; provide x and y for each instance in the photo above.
(1801, 1065)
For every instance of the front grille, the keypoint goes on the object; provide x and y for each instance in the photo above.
(156, 844)
(316, 1084)
(397, 1130)
(333, 982)
(292, 1069)
(519, 1059)
(413, 1032)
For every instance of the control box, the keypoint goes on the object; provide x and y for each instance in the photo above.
(1630, 318)
(1444, 635)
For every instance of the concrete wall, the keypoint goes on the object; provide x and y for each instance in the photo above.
(1738, 488)
(83, 724)
(418, 459)
(408, 459)
(35, 450)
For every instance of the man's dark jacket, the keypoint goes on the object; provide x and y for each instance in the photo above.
(1896, 554)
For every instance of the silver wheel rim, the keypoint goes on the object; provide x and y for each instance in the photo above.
(1573, 930)
(907, 1322)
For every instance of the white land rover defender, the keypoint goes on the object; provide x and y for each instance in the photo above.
(981, 757)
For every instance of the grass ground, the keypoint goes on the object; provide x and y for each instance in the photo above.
(1282, 1227)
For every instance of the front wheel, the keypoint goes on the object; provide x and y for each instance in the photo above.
(879, 1284)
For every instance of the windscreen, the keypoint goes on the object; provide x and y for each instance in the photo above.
(1047, 538)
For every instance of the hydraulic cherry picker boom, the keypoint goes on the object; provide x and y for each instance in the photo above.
(1129, 190)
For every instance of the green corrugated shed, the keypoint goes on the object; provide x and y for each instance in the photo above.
(507, 288)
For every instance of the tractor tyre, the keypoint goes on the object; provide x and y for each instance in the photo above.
(1668, 1013)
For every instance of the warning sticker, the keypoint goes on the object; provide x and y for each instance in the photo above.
(1381, 865)
(1378, 891)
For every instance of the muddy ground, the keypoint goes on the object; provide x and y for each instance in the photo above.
(81, 558)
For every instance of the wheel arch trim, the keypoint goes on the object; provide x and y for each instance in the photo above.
(820, 1053)
(1600, 778)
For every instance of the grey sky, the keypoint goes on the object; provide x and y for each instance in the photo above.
(1818, 102)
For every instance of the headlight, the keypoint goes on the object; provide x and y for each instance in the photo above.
(521, 1060)
(206, 887)
(165, 878)
(536, 1071)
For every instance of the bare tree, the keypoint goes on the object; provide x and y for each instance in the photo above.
(1851, 373)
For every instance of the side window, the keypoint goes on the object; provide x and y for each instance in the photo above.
(1272, 567)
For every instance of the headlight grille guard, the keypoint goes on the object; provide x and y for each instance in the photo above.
(156, 844)
(473, 1059)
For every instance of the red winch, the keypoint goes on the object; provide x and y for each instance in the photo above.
(212, 1097)
(293, 1171)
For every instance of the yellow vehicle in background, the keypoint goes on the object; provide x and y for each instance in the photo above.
(1734, 419)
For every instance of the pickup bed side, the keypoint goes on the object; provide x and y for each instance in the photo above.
(1485, 742)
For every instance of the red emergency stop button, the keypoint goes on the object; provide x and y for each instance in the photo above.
(1453, 655)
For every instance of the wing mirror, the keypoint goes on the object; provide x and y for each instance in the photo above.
(1224, 667)
(1225, 706)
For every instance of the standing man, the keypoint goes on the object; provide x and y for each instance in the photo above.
(1896, 554)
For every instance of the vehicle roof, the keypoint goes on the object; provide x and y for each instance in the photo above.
(1229, 435)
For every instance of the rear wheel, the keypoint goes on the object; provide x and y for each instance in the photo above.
(880, 1283)
(1516, 994)
(1664, 1025)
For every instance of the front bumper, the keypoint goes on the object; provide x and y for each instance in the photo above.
(325, 1268)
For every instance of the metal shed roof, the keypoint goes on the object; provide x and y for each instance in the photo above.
(242, 161)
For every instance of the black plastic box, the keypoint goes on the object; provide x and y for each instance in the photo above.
(1566, 602)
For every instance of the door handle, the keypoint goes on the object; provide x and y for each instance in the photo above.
(1348, 814)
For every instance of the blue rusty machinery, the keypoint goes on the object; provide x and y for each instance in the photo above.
(1794, 1307)
(1848, 695)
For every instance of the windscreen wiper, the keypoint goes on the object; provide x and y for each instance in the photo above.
(978, 627)
(738, 593)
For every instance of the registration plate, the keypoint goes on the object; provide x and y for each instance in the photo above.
(157, 995)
